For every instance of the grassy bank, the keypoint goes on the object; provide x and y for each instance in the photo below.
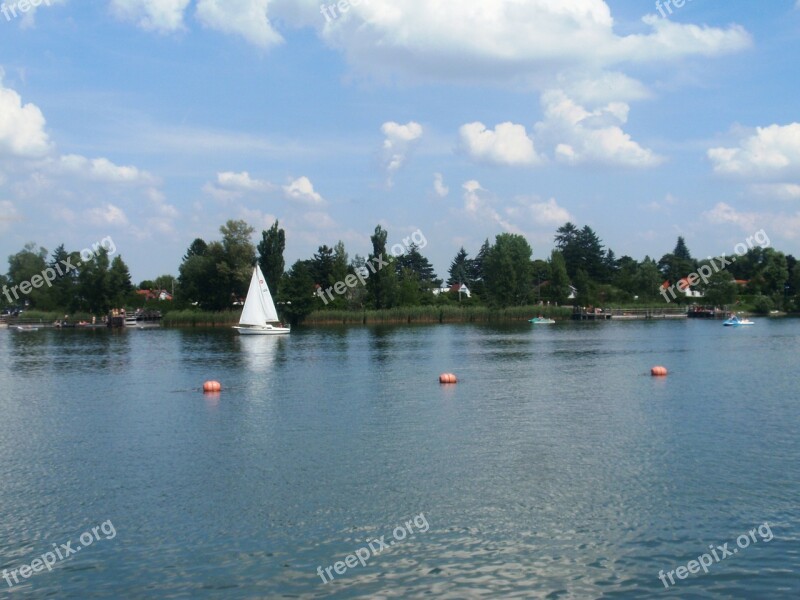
(198, 318)
(436, 314)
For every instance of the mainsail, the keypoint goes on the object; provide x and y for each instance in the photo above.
(259, 309)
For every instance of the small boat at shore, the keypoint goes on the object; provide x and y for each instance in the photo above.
(735, 321)
(541, 321)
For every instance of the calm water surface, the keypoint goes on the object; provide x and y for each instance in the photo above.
(556, 468)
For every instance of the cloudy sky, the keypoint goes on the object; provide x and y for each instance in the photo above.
(155, 121)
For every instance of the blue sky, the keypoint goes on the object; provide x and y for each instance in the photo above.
(155, 121)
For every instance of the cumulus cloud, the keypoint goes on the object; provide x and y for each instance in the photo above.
(107, 215)
(479, 204)
(242, 181)
(468, 39)
(22, 126)
(439, 187)
(773, 150)
(547, 213)
(399, 141)
(246, 18)
(507, 144)
(8, 214)
(101, 170)
(163, 16)
(779, 191)
(231, 185)
(582, 136)
(302, 190)
(786, 225)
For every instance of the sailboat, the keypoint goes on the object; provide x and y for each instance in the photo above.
(259, 316)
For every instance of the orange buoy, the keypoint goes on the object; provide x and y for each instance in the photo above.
(659, 371)
(212, 386)
(448, 378)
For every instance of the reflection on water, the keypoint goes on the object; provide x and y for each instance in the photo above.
(557, 467)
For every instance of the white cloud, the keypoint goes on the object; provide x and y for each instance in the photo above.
(507, 144)
(302, 190)
(772, 150)
(502, 39)
(583, 136)
(439, 187)
(28, 18)
(786, 225)
(547, 213)
(247, 18)
(242, 181)
(779, 191)
(478, 203)
(163, 16)
(319, 220)
(592, 87)
(22, 132)
(101, 170)
(163, 215)
(108, 215)
(398, 143)
(8, 214)
(231, 185)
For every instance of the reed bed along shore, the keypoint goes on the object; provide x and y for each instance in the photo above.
(436, 314)
(411, 314)
(200, 318)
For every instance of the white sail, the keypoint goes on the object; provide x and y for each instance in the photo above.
(259, 309)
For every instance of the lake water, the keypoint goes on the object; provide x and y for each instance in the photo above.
(556, 468)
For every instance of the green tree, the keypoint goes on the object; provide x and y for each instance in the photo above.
(322, 266)
(460, 269)
(508, 270)
(477, 270)
(586, 295)
(119, 282)
(413, 261)
(382, 282)
(648, 280)
(270, 256)
(559, 279)
(583, 249)
(93, 288)
(22, 268)
(297, 298)
(677, 265)
(239, 257)
(721, 289)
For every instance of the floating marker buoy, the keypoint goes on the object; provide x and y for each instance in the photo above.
(212, 386)
(448, 378)
(659, 371)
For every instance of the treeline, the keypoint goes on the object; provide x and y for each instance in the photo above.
(65, 281)
(580, 270)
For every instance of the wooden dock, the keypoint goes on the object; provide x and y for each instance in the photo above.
(627, 314)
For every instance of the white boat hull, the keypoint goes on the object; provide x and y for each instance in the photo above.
(261, 330)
